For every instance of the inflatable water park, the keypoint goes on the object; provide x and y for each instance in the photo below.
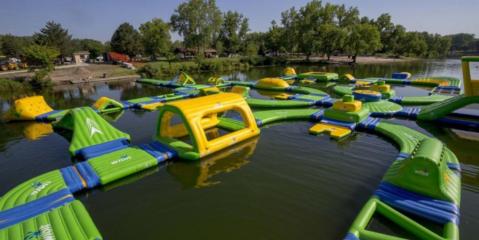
(420, 191)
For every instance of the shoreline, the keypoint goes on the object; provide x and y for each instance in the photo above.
(91, 73)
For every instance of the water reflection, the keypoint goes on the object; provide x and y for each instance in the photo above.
(202, 173)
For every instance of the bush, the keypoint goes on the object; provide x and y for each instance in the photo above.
(41, 79)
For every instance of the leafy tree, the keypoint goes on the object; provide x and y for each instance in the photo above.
(273, 38)
(96, 48)
(332, 38)
(290, 33)
(414, 44)
(308, 20)
(347, 17)
(462, 42)
(395, 41)
(126, 40)
(12, 46)
(41, 56)
(233, 31)
(55, 36)
(156, 37)
(386, 29)
(198, 21)
(257, 39)
(364, 38)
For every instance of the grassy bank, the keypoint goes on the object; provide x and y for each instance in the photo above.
(12, 88)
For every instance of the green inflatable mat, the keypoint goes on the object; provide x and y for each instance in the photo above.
(268, 103)
(382, 106)
(270, 116)
(33, 189)
(68, 222)
(424, 100)
(118, 164)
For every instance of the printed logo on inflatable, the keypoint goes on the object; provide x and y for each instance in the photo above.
(93, 127)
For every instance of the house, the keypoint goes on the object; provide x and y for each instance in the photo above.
(188, 53)
(81, 57)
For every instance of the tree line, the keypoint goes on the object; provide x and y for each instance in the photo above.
(314, 29)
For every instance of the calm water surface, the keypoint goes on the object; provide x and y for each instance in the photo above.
(285, 184)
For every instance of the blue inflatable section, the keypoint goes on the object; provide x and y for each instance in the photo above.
(72, 179)
(436, 210)
(317, 116)
(44, 117)
(408, 112)
(89, 175)
(159, 151)
(23, 212)
(369, 123)
(400, 75)
(100, 149)
(339, 123)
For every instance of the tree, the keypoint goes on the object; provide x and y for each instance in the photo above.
(156, 38)
(96, 48)
(307, 22)
(55, 36)
(332, 39)
(364, 38)
(41, 56)
(126, 40)
(347, 17)
(386, 28)
(12, 46)
(198, 21)
(273, 38)
(233, 31)
(462, 42)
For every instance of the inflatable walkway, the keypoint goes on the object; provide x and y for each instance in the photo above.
(441, 109)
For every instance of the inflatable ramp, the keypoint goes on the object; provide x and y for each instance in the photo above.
(441, 109)
(91, 134)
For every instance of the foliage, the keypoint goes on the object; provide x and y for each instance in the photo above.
(162, 68)
(41, 56)
(55, 36)
(233, 32)
(12, 46)
(126, 40)
(332, 38)
(198, 21)
(364, 38)
(464, 42)
(96, 48)
(155, 35)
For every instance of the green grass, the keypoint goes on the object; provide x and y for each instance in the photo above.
(11, 88)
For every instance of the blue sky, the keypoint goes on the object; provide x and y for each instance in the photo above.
(98, 19)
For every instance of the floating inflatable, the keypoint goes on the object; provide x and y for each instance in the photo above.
(420, 190)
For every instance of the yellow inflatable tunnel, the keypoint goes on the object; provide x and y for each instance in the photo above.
(197, 127)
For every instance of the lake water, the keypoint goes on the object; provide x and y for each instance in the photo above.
(285, 184)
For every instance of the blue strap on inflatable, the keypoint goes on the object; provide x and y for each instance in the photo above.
(327, 101)
(317, 116)
(259, 123)
(402, 156)
(88, 174)
(351, 236)
(339, 123)
(159, 151)
(454, 166)
(409, 112)
(438, 211)
(72, 179)
(103, 148)
(396, 99)
(36, 207)
(369, 123)
(44, 117)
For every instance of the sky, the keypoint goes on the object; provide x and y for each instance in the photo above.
(98, 19)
